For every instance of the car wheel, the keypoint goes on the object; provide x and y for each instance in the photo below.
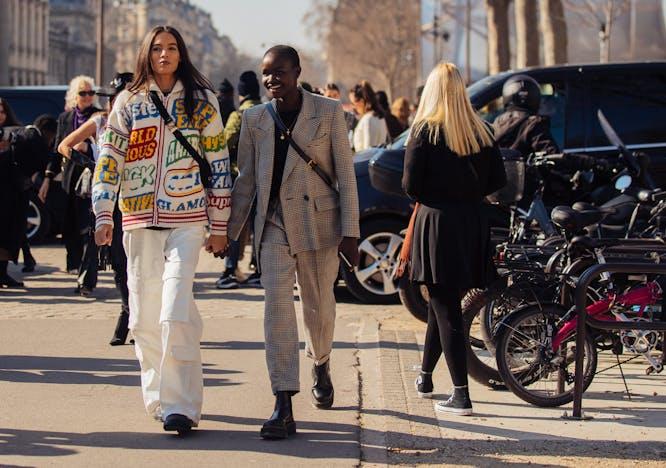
(379, 247)
(38, 221)
(415, 299)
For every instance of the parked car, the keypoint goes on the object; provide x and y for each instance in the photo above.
(28, 102)
(631, 95)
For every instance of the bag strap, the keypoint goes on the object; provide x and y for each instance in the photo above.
(204, 167)
(308, 160)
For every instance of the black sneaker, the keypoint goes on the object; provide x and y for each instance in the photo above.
(458, 403)
(227, 281)
(254, 280)
(423, 385)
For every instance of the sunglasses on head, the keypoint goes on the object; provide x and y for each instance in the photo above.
(86, 93)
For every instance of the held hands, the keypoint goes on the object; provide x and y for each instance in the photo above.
(103, 235)
(216, 244)
(349, 248)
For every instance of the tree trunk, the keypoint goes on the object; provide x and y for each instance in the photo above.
(499, 51)
(554, 31)
(527, 34)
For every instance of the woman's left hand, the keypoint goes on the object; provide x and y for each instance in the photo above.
(216, 243)
(349, 248)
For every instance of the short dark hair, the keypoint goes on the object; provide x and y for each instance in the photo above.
(332, 87)
(46, 123)
(287, 52)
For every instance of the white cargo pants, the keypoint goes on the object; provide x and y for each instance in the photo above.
(164, 319)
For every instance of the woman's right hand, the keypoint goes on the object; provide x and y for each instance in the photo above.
(44, 189)
(103, 235)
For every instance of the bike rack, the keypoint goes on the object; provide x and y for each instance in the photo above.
(584, 320)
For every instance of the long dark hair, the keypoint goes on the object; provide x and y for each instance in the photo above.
(10, 120)
(186, 72)
(364, 91)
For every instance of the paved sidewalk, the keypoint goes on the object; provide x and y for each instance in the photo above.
(69, 399)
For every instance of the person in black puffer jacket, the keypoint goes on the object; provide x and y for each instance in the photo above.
(520, 127)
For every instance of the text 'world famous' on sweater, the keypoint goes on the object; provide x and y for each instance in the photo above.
(157, 181)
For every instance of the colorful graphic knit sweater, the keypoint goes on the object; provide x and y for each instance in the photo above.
(157, 181)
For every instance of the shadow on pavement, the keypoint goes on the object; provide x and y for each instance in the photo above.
(87, 371)
(259, 345)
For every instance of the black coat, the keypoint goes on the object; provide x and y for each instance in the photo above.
(71, 172)
(521, 131)
(28, 155)
(451, 242)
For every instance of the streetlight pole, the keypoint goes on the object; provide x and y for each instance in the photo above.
(99, 58)
(468, 44)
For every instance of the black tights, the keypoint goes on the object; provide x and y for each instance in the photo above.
(445, 333)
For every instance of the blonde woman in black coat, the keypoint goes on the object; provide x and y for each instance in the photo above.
(451, 164)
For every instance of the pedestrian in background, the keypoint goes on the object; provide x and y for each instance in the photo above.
(371, 129)
(393, 126)
(401, 110)
(82, 102)
(225, 98)
(80, 140)
(451, 164)
(300, 224)
(23, 153)
(248, 92)
(165, 209)
(333, 91)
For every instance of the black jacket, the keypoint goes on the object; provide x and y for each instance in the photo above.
(71, 172)
(518, 130)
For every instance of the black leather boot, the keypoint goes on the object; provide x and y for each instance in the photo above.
(281, 424)
(322, 388)
(120, 333)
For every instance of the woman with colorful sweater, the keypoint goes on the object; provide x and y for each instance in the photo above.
(165, 210)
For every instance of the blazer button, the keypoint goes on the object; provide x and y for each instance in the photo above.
(306, 198)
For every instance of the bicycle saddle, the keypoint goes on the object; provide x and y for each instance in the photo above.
(572, 220)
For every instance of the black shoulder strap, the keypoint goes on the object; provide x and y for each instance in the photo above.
(204, 167)
(308, 160)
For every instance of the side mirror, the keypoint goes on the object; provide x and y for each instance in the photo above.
(623, 182)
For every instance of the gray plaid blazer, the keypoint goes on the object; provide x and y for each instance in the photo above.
(315, 216)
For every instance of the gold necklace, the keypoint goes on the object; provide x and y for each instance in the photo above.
(284, 135)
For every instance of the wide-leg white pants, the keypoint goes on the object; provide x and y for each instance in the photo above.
(164, 319)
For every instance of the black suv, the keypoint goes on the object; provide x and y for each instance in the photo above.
(631, 95)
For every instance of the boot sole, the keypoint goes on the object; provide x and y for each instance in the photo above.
(326, 404)
(178, 428)
(278, 433)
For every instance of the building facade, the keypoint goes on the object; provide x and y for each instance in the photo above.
(131, 20)
(24, 27)
(72, 39)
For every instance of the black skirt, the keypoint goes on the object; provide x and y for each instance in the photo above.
(451, 246)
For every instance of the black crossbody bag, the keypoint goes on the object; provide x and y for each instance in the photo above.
(204, 167)
(310, 162)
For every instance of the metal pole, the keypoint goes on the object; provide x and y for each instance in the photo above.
(99, 62)
(468, 45)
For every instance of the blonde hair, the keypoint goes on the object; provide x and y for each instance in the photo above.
(445, 107)
(398, 104)
(73, 90)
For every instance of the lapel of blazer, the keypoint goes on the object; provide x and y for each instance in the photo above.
(266, 153)
(305, 129)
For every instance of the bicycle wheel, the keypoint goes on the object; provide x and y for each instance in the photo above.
(481, 365)
(529, 366)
